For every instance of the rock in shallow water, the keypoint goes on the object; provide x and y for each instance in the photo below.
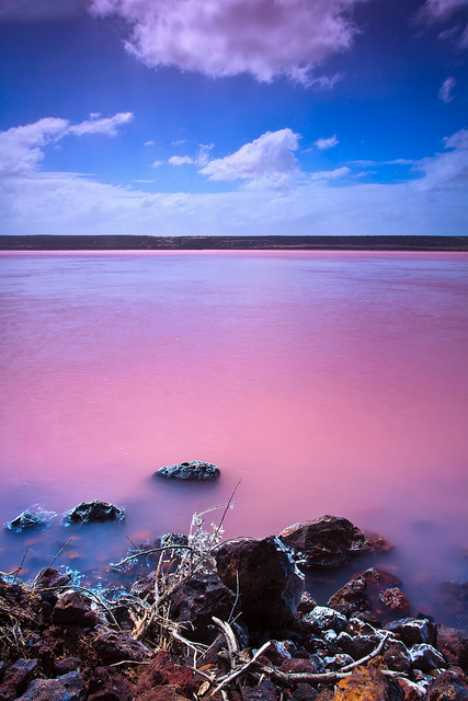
(31, 518)
(94, 512)
(193, 470)
(364, 595)
(329, 541)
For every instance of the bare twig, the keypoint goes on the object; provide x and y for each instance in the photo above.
(240, 670)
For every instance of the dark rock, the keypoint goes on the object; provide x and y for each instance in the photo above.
(336, 662)
(269, 586)
(304, 692)
(192, 470)
(94, 512)
(265, 691)
(447, 687)
(453, 644)
(306, 603)
(357, 646)
(68, 687)
(197, 600)
(367, 684)
(16, 677)
(413, 630)
(297, 664)
(328, 541)
(362, 596)
(411, 690)
(74, 609)
(397, 657)
(51, 578)
(114, 646)
(280, 650)
(66, 664)
(29, 519)
(426, 658)
(356, 626)
(322, 618)
(107, 685)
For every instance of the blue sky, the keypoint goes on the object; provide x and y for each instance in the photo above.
(234, 116)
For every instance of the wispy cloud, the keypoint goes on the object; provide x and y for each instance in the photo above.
(200, 159)
(264, 38)
(324, 144)
(446, 89)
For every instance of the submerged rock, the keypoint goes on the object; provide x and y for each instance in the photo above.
(36, 517)
(94, 512)
(269, 585)
(365, 595)
(329, 541)
(192, 470)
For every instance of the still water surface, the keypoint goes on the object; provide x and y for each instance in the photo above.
(326, 382)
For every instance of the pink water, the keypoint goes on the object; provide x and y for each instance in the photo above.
(327, 382)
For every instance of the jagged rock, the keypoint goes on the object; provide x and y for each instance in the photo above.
(269, 585)
(47, 583)
(114, 646)
(29, 519)
(362, 596)
(413, 630)
(192, 470)
(280, 650)
(397, 657)
(68, 687)
(16, 677)
(265, 691)
(322, 618)
(426, 658)
(329, 541)
(298, 664)
(453, 644)
(356, 626)
(336, 662)
(304, 692)
(447, 687)
(74, 609)
(367, 684)
(94, 512)
(197, 600)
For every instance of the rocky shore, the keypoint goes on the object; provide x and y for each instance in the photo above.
(198, 617)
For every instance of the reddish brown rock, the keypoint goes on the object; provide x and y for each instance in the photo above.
(109, 685)
(269, 586)
(329, 541)
(411, 690)
(361, 596)
(395, 600)
(163, 680)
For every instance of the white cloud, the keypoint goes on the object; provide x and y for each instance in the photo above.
(326, 143)
(431, 201)
(269, 156)
(446, 90)
(149, 143)
(442, 9)
(200, 159)
(22, 148)
(157, 164)
(109, 126)
(264, 38)
(180, 161)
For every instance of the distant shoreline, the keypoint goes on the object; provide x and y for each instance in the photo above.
(197, 243)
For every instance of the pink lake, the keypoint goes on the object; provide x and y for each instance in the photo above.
(327, 382)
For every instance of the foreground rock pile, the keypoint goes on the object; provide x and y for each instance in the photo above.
(228, 620)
